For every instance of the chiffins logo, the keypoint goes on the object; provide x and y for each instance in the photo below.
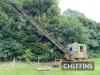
(78, 65)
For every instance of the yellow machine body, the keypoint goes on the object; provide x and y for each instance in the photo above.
(81, 51)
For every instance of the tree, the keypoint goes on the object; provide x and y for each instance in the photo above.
(73, 13)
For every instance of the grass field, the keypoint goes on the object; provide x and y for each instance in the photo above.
(20, 68)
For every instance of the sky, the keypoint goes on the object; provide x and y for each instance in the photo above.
(91, 8)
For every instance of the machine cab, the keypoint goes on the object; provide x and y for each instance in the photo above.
(78, 51)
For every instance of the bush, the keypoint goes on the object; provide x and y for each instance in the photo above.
(27, 55)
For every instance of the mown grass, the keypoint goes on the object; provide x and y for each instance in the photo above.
(20, 68)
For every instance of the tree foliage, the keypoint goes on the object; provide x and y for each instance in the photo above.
(17, 34)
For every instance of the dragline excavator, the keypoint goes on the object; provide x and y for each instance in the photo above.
(76, 50)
